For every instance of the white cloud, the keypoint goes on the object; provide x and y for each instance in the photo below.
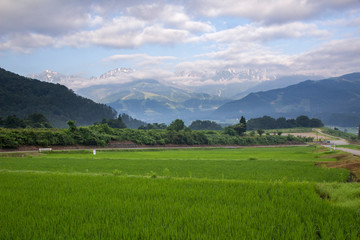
(80, 24)
(333, 58)
(26, 25)
(25, 42)
(125, 32)
(121, 32)
(239, 56)
(259, 33)
(141, 60)
(54, 17)
(273, 11)
(139, 57)
(172, 16)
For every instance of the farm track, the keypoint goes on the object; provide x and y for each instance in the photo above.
(352, 151)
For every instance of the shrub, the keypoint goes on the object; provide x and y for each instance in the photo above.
(7, 141)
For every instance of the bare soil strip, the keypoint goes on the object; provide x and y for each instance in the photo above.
(344, 160)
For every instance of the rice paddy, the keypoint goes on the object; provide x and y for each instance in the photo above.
(248, 193)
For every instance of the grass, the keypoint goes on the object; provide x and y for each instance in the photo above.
(338, 133)
(345, 195)
(266, 164)
(291, 130)
(98, 207)
(355, 147)
(248, 193)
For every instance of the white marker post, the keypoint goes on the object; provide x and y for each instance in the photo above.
(94, 151)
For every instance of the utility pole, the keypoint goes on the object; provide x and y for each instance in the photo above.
(359, 133)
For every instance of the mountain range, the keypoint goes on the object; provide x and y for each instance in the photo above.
(227, 83)
(335, 101)
(162, 101)
(154, 101)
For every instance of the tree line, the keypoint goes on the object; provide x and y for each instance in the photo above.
(35, 120)
(17, 132)
(267, 122)
(38, 120)
(101, 135)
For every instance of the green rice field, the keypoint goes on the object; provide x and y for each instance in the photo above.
(218, 193)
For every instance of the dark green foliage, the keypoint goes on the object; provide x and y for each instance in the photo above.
(114, 123)
(229, 130)
(13, 121)
(131, 122)
(8, 141)
(150, 126)
(240, 128)
(37, 120)
(205, 125)
(267, 122)
(303, 121)
(314, 122)
(243, 122)
(72, 125)
(23, 96)
(260, 131)
(102, 134)
(176, 125)
(13, 138)
(237, 129)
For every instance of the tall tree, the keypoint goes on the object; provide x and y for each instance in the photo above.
(176, 125)
(13, 121)
(303, 121)
(243, 121)
(37, 120)
(260, 131)
(72, 125)
(240, 128)
(205, 125)
(115, 123)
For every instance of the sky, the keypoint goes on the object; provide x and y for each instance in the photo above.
(164, 38)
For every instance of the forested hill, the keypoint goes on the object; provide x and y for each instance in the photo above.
(22, 96)
(336, 101)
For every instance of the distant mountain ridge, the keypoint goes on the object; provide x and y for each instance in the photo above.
(154, 101)
(280, 82)
(334, 100)
(225, 83)
(162, 101)
(22, 96)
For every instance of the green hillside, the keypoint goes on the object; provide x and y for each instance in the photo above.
(335, 101)
(22, 96)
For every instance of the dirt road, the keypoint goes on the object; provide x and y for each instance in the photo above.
(338, 141)
(352, 151)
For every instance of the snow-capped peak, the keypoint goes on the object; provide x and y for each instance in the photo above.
(116, 72)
